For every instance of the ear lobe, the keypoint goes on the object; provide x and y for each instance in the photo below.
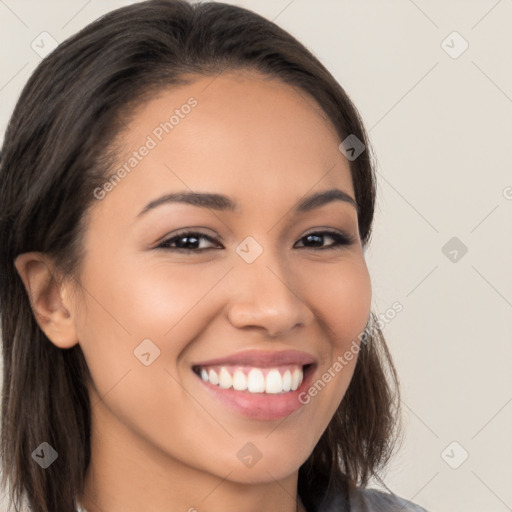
(45, 295)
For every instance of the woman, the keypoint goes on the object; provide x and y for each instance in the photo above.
(186, 197)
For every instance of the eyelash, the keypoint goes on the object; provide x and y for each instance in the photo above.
(341, 240)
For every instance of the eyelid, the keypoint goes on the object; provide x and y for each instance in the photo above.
(326, 230)
(193, 230)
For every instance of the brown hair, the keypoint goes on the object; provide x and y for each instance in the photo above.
(55, 154)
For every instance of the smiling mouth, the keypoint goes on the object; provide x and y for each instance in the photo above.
(255, 380)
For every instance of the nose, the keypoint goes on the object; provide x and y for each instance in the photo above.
(266, 296)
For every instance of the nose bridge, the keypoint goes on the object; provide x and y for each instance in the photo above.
(265, 295)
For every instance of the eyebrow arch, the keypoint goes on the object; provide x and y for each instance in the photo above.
(225, 203)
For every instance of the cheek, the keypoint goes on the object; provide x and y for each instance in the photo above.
(342, 301)
(341, 296)
(129, 302)
(170, 302)
(134, 310)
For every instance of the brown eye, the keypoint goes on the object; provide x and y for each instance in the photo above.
(317, 238)
(188, 241)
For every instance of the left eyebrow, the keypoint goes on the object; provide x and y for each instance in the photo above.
(225, 203)
(320, 198)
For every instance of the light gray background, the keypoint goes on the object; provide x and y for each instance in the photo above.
(442, 130)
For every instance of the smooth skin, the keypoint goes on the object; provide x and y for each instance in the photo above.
(159, 441)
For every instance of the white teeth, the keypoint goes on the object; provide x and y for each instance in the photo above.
(287, 380)
(255, 382)
(273, 382)
(239, 381)
(225, 379)
(213, 377)
(297, 376)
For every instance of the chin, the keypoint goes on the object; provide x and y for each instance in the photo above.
(266, 469)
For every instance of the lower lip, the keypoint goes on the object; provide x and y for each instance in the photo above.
(261, 406)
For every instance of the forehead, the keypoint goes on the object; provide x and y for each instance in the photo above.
(240, 133)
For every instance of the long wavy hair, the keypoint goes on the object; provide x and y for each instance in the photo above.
(56, 152)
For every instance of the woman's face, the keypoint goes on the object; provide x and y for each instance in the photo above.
(252, 293)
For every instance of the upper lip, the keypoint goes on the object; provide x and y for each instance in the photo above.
(262, 358)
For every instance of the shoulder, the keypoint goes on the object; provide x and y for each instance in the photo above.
(372, 500)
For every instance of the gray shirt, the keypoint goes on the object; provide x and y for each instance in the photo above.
(370, 500)
(366, 500)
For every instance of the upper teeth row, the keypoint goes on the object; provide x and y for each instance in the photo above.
(255, 381)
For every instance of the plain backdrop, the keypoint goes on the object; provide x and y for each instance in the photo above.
(439, 117)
